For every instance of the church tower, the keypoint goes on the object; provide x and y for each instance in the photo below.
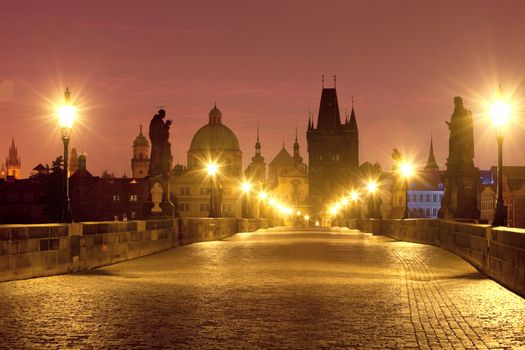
(12, 162)
(333, 152)
(431, 162)
(140, 160)
(256, 171)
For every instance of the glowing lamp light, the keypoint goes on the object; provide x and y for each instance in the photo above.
(500, 113)
(66, 116)
(371, 186)
(344, 201)
(333, 210)
(406, 169)
(263, 195)
(212, 169)
(354, 196)
(246, 187)
(306, 217)
(317, 223)
(298, 213)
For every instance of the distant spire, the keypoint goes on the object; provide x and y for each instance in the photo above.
(352, 124)
(257, 143)
(67, 95)
(322, 80)
(346, 116)
(297, 158)
(431, 162)
(335, 81)
(257, 158)
(140, 128)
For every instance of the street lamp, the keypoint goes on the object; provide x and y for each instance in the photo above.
(406, 171)
(66, 116)
(246, 187)
(212, 170)
(372, 187)
(500, 112)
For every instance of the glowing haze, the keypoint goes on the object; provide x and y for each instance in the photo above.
(262, 62)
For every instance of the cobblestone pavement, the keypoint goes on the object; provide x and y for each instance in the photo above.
(272, 289)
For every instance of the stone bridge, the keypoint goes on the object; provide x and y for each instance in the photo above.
(283, 288)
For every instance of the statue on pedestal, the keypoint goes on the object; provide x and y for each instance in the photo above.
(159, 133)
(461, 179)
(160, 164)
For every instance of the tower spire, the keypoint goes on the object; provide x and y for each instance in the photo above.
(322, 80)
(335, 81)
(431, 162)
(258, 144)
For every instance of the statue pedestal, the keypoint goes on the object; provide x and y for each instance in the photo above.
(460, 200)
(159, 204)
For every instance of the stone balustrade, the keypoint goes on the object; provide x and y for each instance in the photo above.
(497, 252)
(28, 251)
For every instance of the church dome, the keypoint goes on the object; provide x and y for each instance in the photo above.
(140, 140)
(214, 135)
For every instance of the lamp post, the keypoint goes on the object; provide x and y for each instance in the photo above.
(212, 170)
(66, 116)
(354, 197)
(371, 187)
(500, 112)
(246, 188)
(406, 170)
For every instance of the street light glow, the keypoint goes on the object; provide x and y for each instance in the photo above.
(246, 187)
(212, 169)
(354, 195)
(263, 195)
(371, 186)
(500, 112)
(406, 169)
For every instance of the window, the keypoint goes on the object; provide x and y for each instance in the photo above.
(428, 198)
(28, 197)
(434, 198)
(133, 198)
(434, 211)
(205, 207)
(184, 207)
(414, 198)
(116, 197)
(440, 197)
(427, 212)
(182, 190)
(187, 191)
(421, 197)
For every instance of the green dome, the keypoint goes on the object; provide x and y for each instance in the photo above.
(214, 137)
(140, 140)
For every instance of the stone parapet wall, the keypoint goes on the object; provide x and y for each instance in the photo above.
(497, 252)
(28, 251)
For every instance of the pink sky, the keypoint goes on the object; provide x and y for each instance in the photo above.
(403, 61)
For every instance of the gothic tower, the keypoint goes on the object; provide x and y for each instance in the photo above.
(256, 171)
(140, 160)
(12, 162)
(333, 153)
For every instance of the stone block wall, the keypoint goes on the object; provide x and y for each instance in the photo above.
(28, 251)
(497, 252)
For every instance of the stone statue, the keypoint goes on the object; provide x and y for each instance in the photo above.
(160, 160)
(461, 179)
(461, 141)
